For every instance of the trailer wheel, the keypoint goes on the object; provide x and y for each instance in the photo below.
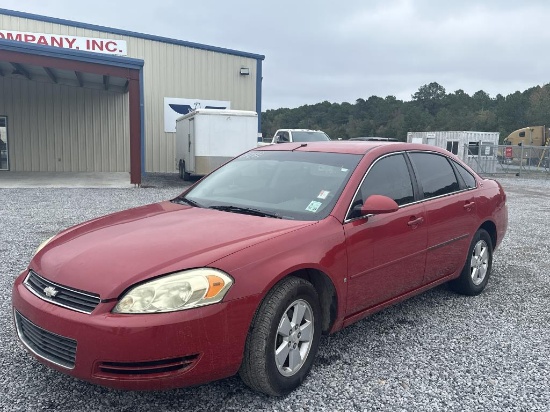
(185, 176)
(180, 169)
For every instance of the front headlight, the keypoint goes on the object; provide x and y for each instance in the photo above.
(178, 291)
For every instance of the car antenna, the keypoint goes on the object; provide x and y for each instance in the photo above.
(302, 145)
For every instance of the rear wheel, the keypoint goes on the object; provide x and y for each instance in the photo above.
(283, 338)
(476, 271)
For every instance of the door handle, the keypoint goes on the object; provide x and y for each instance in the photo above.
(469, 206)
(415, 221)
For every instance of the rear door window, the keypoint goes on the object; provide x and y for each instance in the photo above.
(469, 180)
(434, 174)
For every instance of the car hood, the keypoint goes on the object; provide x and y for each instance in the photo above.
(109, 254)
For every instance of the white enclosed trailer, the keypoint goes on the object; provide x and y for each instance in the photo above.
(477, 149)
(207, 138)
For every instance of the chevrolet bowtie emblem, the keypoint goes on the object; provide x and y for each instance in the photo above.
(50, 291)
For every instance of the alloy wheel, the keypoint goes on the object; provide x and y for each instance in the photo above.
(294, 337)
(479, 262)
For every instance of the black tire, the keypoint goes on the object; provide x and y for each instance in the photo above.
(183, 174)
(477, 268)
(261, 369)
(180, 169)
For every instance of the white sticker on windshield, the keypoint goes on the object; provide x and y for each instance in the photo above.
(323, 195)
(344, 169)
(313, 206)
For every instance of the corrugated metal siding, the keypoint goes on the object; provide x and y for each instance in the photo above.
(170, 71)
(176, 71)
(464, 138)
(63, 128)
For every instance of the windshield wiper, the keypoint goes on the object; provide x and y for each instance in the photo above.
(245, 210)
(187, 201)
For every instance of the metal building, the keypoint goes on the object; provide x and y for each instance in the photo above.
(79, 97)
(467, 145)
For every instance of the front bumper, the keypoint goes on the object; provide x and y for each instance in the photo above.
(137, 352)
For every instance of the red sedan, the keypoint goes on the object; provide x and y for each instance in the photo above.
(247, 268)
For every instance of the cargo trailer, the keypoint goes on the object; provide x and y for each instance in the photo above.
(208, 138)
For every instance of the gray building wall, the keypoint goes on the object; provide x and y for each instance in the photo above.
(60, 128)
(170, 70)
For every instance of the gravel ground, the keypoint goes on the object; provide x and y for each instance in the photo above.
(437, 351)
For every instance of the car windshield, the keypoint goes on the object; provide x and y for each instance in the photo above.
(309, 136)
(285, 184)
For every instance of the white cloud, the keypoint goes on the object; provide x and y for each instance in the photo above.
(340, 51)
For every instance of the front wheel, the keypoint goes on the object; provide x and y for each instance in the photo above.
(476, 271)
(283, 338)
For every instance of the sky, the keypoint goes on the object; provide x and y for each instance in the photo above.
(340, 51)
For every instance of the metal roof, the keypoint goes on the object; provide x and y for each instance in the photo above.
(120, 32)
(40, 70)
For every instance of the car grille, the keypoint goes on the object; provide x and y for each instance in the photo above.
(136, 370)
(55, 348)
(61, 295)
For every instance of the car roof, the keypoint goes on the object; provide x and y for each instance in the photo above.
(341, 146)
(360, 147)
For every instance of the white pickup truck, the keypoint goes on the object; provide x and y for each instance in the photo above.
(297, 135)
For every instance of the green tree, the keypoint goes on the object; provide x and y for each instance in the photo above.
(481, 101)
(430, 96)
(512, 113)
(431, 109)
(538, 113)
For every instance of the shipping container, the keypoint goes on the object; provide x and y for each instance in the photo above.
(478, 149)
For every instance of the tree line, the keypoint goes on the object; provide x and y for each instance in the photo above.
(431, 108)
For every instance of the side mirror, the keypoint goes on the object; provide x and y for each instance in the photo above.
(378, 204)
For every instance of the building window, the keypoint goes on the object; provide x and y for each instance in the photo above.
(452, 146)
(473, 148)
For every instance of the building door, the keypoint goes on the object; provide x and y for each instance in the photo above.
(4, 160)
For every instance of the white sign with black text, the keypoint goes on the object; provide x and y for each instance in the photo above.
(91, 44)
